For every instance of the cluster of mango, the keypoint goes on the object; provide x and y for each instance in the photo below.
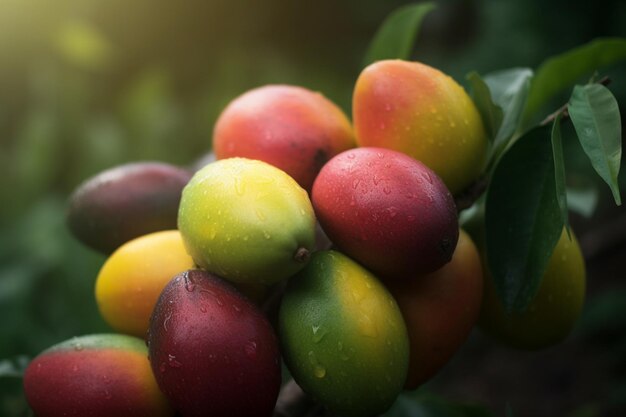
(353, 231)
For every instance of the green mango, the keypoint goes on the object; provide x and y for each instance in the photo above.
(246, 221)
(343, 337)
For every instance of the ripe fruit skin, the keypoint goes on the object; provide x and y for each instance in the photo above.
(126, 202)
(343, 337)
(94, 376)
(132, 278)
(290, 127)
(247, 221)
(418, 110)
(212, 351)
(551, 315)
(387, 211)
(440, 310)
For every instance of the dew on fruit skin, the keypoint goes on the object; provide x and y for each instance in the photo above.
(107, 395)
(260, 215)
(162, 367)
(203, 309)
(167, 319)
(342, 353)
(318, 333)
(393, 212)
(355, 182)
(236, 308)
(266, 235)
(78, 347)
(367, 327)
(250, 348)
(318, 370)
(387, 190)
(239, 187)
(173, 362)
(189, 284)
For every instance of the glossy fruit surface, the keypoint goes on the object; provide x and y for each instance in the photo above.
(212, 351)
(440, 310)
(91, 376)
(386, 210)
(418, 110)
(131, 279)
(247, 221)
(552, 313)
(126, 202)
(343, 337)
(290, 127)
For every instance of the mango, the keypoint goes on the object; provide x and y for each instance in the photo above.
(100, 375)
(126, 202)
(247, 221)
(440, 310)
(387, 211)
(553, 311)
(290, 127)
(212, 351)
(418, 110)
(132, 278)
(343, 337)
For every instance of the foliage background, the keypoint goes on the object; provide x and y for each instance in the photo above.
(89, 84)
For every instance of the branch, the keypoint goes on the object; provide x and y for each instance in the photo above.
(563, 109)
(466, 198)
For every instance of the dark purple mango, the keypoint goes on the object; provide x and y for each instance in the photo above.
(126, 202)
(100, 375)
(212, 351)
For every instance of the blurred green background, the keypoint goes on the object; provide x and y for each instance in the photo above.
(89, 84)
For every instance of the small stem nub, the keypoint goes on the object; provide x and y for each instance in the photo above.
(301, 255)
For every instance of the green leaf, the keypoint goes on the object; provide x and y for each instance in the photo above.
(490, 112)
(559, 169)
(522, 218)
(14, 368)
(560, 72)
(394, 39)
(595, 115)
(583, 199)
(509, 89)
